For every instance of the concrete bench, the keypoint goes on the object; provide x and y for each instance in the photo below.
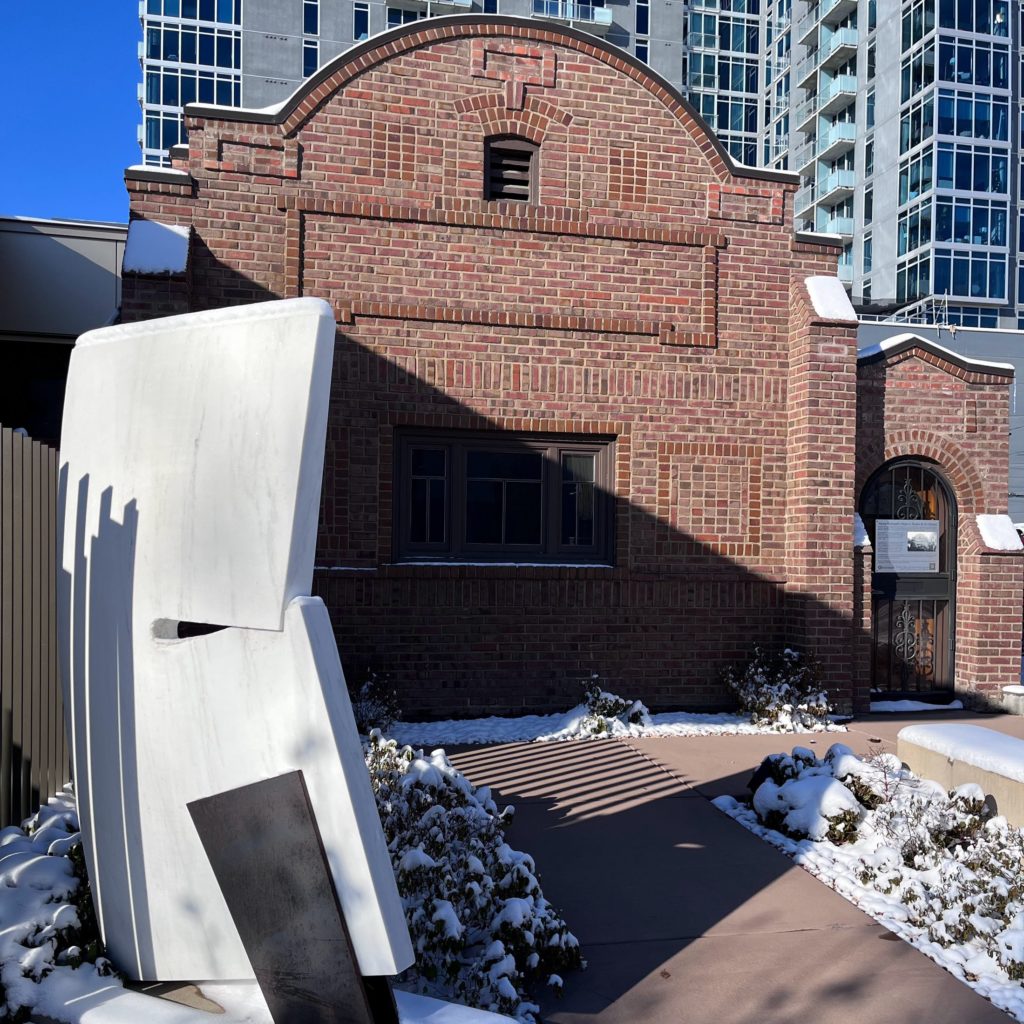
(955, 754)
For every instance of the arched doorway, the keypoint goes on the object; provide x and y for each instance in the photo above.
(910, 515)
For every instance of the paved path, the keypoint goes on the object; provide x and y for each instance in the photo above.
(687, 918)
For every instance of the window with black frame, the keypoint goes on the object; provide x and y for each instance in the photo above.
(503, 498)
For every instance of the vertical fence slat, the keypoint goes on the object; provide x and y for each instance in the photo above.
(33, 748)
(20, 576)
(38, 638)
(54, 782)
(6, 620)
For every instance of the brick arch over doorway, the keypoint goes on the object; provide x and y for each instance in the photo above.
(949, 457)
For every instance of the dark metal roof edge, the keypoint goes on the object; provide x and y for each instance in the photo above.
(875, 353)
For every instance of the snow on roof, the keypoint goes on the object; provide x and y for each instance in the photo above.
(999, 533)
(829, 298)
(975, 745)
(155, 248)
(902, 339)
(860, 534)
(158, 170)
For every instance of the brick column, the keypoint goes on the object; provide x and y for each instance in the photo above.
(822, 410)
(988, 617)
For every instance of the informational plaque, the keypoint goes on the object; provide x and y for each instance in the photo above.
(906, 545)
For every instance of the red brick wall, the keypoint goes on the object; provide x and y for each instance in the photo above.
(650, 294)
(916, 403)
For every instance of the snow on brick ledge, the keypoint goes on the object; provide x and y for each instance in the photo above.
(860, 533)
(155, 248)
(829, 298)
(974, 745)
(999, 533)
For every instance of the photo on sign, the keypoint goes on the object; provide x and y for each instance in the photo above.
(919, 541)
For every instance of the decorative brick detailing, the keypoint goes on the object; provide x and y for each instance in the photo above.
(394, 151)
(971, 415)
(709, 494)
(627, 174)
(516, 65)
(755, 205)
(258, 156)
(332, 249)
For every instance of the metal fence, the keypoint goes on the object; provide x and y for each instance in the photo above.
(33, 749)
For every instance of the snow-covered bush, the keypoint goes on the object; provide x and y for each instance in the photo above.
(375, 704)
(933, 865)
(605, 709)
(482, 929)
(47, 923)
(781, 690)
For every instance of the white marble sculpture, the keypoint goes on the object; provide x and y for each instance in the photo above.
(191, 465)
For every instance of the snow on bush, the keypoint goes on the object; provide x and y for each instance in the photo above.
(375, 704)
(47, 926)
(781, 691)
(608, 714)
(482, 929)
(934, 866)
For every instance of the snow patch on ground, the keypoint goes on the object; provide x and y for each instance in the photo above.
(999, 533)
(921, 862)
(898, 706)
(155, 248)
(975, 745)
(570, 726)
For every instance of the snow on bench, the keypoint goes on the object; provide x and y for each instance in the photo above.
(955, 754)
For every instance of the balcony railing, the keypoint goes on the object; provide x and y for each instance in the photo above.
(835, 92)
(701, 80)
(808, 23)
(838, 226)
(804, 198)
(842, 39)
(805, 110)
(702, 41)
(836, 182)
(807, 66)
(833, 10)
(840, 136)
(567, 10)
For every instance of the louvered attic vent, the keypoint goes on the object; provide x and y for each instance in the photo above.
(510, 169)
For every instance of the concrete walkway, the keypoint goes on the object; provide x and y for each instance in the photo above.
(683, 915)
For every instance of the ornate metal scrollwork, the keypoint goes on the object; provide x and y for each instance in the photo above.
(909, 504)
(904, 642)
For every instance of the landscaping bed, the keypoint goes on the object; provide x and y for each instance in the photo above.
(935, 867)
(484, 934)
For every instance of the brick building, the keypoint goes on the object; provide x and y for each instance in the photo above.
(588, 416)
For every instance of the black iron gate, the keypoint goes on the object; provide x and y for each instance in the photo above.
(910, 515)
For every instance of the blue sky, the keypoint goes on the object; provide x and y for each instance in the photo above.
(68, 79)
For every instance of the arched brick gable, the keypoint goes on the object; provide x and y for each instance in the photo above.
(349, 66)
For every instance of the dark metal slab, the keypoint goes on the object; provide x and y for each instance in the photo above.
(266, 852)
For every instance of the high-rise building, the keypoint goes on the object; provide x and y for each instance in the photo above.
(903, 120)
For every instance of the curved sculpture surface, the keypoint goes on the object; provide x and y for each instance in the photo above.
(194, 660)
